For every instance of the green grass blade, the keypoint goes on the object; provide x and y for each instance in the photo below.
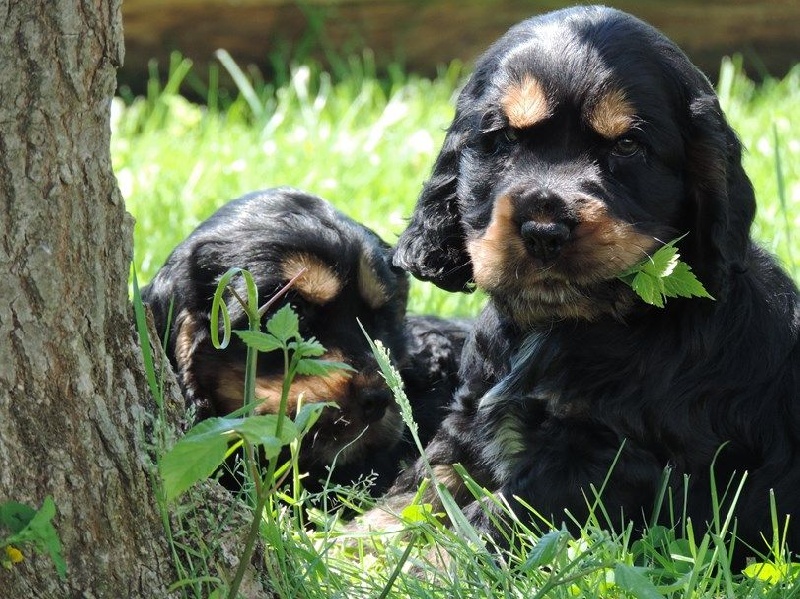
(784, 203)
(144, 342)
(242, 83)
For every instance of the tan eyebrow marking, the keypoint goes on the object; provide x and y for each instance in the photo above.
(525, 103)
(318, 284)
(370, 286)
(612, 115)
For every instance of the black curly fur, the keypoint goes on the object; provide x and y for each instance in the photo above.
(567, 372)
(260, 232)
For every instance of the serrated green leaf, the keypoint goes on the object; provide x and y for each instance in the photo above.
(15, 516)
(663, 275)
(662, 262)
(313, 367)
(284, 324)
(42, 527)
(417, 512)
(649, 288)
(260, 431)
(307, 348)
(262, 342)
(631, 580)
(43, 518)
(35, 527)
(683, 283)
(194, 457)
(545, 550)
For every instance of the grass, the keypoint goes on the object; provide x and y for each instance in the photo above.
(367, 144)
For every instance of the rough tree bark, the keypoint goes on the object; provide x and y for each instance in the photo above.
(71, 379)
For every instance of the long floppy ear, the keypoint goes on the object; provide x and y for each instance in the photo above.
(722, 196)
(432, 248)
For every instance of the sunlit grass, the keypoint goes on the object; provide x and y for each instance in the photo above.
(363, 144)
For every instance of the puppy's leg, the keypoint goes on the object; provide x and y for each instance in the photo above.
(566, 465)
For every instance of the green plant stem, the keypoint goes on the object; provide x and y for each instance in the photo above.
(264, 492)
(250, 543)
(252, 467)
(289, 372)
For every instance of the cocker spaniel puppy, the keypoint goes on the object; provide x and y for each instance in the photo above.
(346, 275)
(583, 141)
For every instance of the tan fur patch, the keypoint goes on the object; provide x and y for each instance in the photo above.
(185, 345)
(370, 286)
(612, 116)
(318, 284)
(495, 254)
(525, 103)
(385, 517)
(334, 388)
(609, 244)
(446, 475)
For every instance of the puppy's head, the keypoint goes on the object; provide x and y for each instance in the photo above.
(583, 141)
(343, 274)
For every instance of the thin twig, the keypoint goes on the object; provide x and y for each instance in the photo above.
(281, 292)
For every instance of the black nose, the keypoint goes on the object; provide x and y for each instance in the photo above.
(544, 240)
(374, 403)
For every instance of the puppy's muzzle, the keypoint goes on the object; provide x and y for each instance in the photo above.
(373, 403)
(544, 240)
(544, 220)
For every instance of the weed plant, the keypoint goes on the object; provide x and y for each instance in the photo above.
(367, 144)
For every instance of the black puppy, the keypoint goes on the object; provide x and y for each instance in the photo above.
(582, 142)
(346, 275)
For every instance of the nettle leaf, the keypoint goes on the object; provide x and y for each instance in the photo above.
(261, 431)
(650, 288)
(203, 448)
(546, 549)
(263, 342)
(284, 324)
(662, 263)
(683, 283)
(36, 527)
(41, 526)
(311, 367)
(307, 348)
(631, 579)
(664, 275)
(194, 457)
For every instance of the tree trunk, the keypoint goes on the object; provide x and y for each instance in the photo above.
(72, 393)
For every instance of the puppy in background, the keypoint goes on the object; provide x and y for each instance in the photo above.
(347, 276)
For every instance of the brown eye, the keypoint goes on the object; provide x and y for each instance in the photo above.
(625, 147)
